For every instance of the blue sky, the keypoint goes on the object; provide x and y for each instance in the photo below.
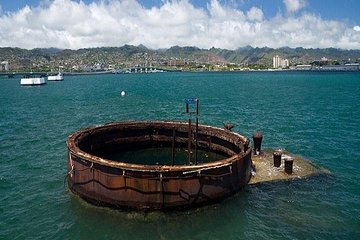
(163, 23)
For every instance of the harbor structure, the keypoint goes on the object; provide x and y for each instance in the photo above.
(57, 77)
(345, 67)
(30, 80)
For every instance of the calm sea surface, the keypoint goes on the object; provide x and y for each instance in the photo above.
(316, 115)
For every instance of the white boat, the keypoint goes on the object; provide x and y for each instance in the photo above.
(30, 80)
(58, 77)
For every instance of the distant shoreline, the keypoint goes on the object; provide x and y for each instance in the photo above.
(48, 74)
(13, 74)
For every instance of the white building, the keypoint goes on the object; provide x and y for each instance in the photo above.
(279, 62)
(4, 66)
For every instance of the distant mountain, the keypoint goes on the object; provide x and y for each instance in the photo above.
(46, 50)
(128, 55)
(182, 52)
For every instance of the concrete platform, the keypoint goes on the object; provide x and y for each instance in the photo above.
(266, 172)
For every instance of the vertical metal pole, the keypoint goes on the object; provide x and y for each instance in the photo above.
(189, 143)
(173, 149)
(197, 107)
(196, 140)
(196, 131)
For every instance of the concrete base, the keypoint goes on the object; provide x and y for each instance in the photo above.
(265, 171)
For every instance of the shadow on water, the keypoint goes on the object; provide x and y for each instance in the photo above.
(247, 214)
(211, 222)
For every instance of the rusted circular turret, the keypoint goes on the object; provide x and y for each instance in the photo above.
(113, 183)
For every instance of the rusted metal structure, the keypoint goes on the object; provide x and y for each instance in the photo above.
(155, 187)
(257, 138)
(288, 165)
(277, 158)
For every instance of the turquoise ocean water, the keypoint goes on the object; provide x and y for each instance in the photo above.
(316, 115)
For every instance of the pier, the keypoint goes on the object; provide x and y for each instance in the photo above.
(19, 74)
(142, 70)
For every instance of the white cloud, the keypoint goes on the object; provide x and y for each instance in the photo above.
(255, 14)
(74, 24)
(294, 5)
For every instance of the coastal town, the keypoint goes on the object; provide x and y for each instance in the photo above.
(131, 59)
